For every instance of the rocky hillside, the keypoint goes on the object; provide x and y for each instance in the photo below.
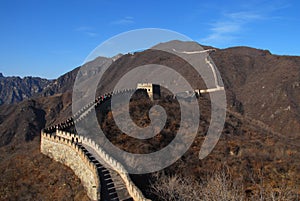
(16, 89)
(22, 122)
(267, 85)
(26, 174)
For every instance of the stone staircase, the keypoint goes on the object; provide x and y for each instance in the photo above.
(113, 187)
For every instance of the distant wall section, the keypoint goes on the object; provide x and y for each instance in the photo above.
(153, 90)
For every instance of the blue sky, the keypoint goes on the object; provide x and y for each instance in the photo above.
(47, 38)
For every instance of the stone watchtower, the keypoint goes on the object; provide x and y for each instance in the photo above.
(153, 90)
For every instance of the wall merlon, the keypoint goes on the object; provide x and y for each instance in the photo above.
(52, 137)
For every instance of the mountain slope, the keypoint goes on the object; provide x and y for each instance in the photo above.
(268, 86)
(26, 174)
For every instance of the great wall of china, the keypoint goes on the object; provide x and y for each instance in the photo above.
(103, 177)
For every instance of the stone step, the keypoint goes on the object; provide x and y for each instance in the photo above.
(115, 184)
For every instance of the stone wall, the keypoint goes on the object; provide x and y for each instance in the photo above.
(67, 153)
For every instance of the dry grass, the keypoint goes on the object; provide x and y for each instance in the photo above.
(217, 187)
